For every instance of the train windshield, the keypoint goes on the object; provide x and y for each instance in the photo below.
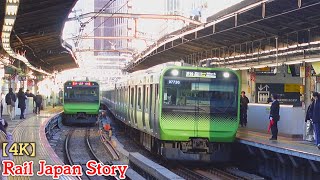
(201, 95)
(81, 94)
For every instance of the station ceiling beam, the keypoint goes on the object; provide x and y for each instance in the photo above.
(243, 30)
(106, 50)
(110, 37)
(136, 16)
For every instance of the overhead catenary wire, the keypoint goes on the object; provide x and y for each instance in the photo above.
(108, 18)
(107, 5)
(83, 25)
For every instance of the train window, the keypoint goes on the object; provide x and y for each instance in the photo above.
(139, 98)
(157, 91)
(151, 107)
(81, 94)
(146, 99)
(209, 95)
(132, 97)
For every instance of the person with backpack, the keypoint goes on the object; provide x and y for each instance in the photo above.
(22, 102)
(11, 101)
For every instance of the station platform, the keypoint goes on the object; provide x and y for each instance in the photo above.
(32, 129)
(284, 145)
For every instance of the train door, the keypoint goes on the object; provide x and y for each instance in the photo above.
(121, 102)
(135, 105)
(156, 107)
(151, 109)
(127, 103)
(116, 102)
(139, 107)
(143, 99)
(146, 108)
(131, 105)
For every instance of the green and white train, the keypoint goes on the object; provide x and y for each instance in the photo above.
(185, 113)
(81, 102)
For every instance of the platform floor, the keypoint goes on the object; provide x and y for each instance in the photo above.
(284, 145)
(32, 130)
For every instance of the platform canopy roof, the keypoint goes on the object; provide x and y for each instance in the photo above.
(38, 31)
(250, 28)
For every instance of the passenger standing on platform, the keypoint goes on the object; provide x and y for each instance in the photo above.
(11, 101)
(309, 125)
(22, 102)
(60, 96)
(274, 116)
(28, 94)
(38, 101)
(243, 109)
(1, 105)
(315, 117)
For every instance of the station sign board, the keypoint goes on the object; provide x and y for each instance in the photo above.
(288, 93)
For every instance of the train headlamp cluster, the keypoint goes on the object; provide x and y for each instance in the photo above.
(12, 7)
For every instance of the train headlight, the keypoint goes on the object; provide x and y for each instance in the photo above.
(174, 72)
(226, 74)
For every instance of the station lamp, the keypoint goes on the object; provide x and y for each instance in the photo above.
(12, 7)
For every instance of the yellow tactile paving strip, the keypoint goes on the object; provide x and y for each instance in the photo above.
(33, 130)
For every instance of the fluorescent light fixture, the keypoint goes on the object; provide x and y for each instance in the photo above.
(13, 1)
(302, 60)
(241, 68)
(9, 20)
(312, 60)
(12, 9)
(6, 34)
(7, 28)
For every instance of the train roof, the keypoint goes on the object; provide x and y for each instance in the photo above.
(152, 75)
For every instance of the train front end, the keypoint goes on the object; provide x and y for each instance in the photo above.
(199, 112)
(81, 102)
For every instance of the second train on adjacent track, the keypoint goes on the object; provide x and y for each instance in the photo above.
(81, 102)
(185, 113)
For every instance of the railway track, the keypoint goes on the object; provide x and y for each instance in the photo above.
(84, 154)
(215, 173)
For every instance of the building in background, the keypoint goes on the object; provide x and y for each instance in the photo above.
(111, 42)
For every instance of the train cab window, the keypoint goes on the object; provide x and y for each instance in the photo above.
(205, 95)
(81, 94)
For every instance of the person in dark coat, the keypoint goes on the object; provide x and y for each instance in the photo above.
(244, 101)
(315, 117)
(10, 101)
(22, 102)
(38, 101)
(309, 125)
(274, 116)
